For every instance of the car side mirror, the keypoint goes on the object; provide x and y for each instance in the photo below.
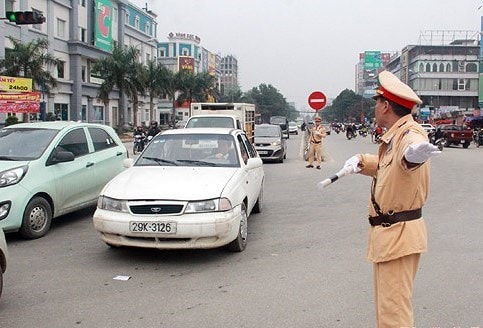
(254, 162)
(128, 162)
(60, 156)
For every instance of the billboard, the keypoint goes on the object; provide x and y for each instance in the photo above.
(186, 63)
(27, 102)
(372, 60)
(15, 84)
(103, 25)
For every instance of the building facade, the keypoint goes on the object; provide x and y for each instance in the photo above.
(229, 74)
(184, 51)
(80, 32)
(443, 70)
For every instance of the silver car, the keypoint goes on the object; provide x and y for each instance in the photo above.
(270, 142)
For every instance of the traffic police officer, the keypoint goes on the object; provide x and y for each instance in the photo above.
(315, 150)
(400, 172)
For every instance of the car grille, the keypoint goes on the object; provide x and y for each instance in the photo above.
(259, 144)
(154, 209)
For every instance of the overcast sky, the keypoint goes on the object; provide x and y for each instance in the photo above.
(300, 46)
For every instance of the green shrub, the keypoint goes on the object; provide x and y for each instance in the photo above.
(10, 120)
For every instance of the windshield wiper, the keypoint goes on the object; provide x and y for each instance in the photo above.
(6, 158)
(160, 160)
(197, 162)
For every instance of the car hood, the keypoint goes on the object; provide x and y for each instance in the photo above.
(169, 182)
(7, 165)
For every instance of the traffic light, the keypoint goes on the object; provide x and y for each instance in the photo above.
(25, 17)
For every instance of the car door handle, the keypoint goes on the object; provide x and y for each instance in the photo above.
(89, 164)
(119, 153)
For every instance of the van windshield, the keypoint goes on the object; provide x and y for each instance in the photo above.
(210, 122)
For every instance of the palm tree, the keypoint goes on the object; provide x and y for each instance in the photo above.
(123, 71)
(159, 80)
(195, 87)
(30, 60)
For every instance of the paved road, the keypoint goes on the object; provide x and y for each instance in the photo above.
(304, 265)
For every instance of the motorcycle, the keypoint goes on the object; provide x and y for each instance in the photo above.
(376, 137)
(478, 137)
(138, 143)
(437, 142)
(350, 134)
(363, 132)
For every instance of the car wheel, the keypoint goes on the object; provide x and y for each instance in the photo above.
(259, 204)
(240, 242)
(36, 218)
(466, 145)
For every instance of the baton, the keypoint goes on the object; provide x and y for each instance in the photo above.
(324, 183)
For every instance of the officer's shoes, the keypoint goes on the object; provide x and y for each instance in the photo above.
(309, 166)
(318, 167)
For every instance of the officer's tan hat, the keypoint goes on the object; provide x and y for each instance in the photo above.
(393, 89)
(317, 119)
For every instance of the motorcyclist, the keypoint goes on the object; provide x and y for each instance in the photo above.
(350, 131)
(438, 134)
(153, 129)
(139, 131)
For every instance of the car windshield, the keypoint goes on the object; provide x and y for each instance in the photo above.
(267, 131)
(22, 144)
(190, 150)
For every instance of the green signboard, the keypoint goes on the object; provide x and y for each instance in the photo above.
(103, 25)
(372, 60)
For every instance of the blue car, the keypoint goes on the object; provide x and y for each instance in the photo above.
(48, 169)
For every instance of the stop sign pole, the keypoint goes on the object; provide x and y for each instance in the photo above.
(317, 100)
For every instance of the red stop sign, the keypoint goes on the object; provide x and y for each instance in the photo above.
(317, 100)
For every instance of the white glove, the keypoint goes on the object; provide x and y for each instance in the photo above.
(351, 165)
(420, 152)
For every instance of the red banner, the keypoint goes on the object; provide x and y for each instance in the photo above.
(28, 102)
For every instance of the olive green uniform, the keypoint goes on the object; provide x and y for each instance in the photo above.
(395, 250)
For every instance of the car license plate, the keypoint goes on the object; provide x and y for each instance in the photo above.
(154, 227)
(462, 141)
(263, 152)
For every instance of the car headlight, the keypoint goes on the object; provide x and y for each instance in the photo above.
(111, 204)
(276, 143)
(210, 205)
(12, 176)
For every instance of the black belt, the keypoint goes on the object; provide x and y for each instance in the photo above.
(390, 218)
(316, 142)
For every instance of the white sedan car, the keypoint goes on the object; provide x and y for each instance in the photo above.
(190, 188)
(427, 127)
